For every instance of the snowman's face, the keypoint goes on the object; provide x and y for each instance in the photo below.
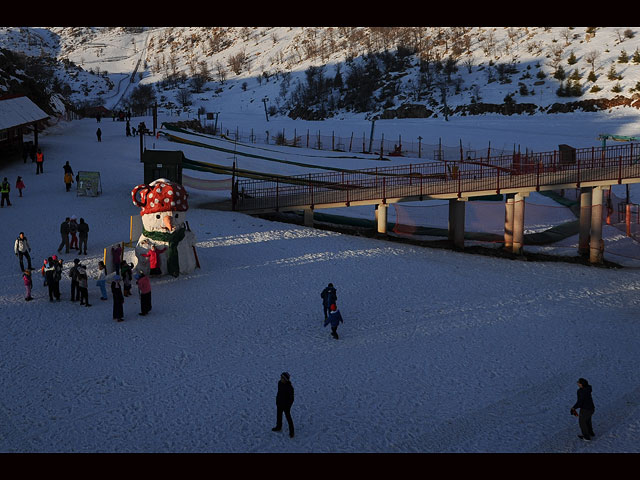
(163, 221)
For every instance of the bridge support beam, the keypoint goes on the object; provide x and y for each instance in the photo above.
(518, 222)
(508, 222)
(381, 217)
(308, 217)
(585, 221)
(596, 245)
(456, 222)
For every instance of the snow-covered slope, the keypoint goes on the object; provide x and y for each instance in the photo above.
(440, 351)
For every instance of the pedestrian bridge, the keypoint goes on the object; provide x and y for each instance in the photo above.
(516, 175)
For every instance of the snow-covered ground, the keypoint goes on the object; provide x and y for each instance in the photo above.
(440, 351)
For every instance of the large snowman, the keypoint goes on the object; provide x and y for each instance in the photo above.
(163, 207)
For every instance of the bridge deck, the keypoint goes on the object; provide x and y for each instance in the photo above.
(549, 171)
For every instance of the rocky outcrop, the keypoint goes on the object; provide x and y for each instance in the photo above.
(408, 110)
(513, 108)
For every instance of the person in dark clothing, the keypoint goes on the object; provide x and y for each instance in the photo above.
(587, 407)
(335, 319)
(64, 234)
(83, 285)
(83, 235)
(5, 188)
(144, 287)
(329, 297)
(75, 288)
(284, 400)
(99, 134)
(118, 299)
(53, 274)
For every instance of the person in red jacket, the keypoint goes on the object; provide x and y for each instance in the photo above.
(144, 287)
(154, 265)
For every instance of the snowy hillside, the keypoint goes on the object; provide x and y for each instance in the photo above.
(468, 70)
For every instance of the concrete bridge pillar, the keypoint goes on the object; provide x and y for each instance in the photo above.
(596, 245)
(518, 222)
(508, 222)
(585, 221)
(381, 217)
(308, 217)
(456, 222)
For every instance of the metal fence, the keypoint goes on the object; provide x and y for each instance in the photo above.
(354, 143)
(492, 174)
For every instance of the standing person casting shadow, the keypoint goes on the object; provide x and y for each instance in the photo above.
(587, 407)
(284, 400)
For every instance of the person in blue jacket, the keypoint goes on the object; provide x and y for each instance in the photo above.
(329, 297)
(334, 318)
(587, 407)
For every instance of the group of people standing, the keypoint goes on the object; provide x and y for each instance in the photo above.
(74, 235)
(52, 269)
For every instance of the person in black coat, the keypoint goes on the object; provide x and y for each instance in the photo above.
(83, 235)
(284, 400)
(118, 299)
(329, 297)
(64, 235)
(587, 407)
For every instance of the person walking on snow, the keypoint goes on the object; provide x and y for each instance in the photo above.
(20, 185)
(68, 175)
(28, 284)
(22, 249)
(64, 235)
(39, 162)
(99, 134)
(83, 234)
(284, 401)
(587, 407)
(144, 288)
(5, 188)
(335, 319)
(118, 299)
(329, 297)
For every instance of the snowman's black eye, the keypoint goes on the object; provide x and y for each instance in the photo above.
(158, 216)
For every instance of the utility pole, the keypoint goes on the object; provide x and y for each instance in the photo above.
(373, 123)
(265, 100)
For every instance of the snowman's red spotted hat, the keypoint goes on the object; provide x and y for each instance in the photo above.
(161, 195)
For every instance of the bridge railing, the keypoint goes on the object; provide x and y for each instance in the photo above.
(530, 170)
